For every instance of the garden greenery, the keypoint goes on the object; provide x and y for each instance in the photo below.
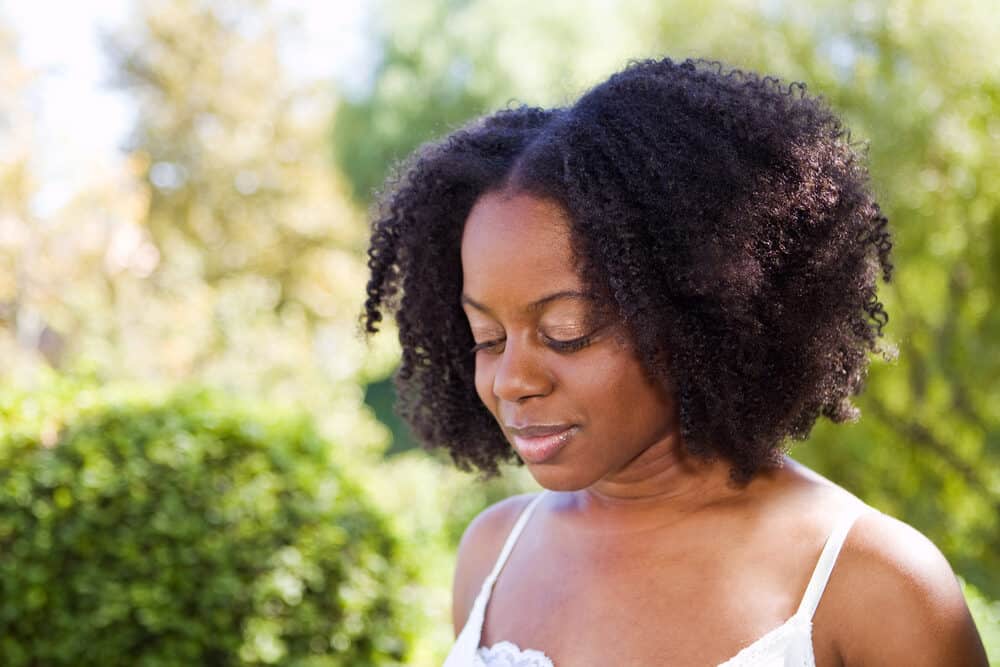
(187, 530)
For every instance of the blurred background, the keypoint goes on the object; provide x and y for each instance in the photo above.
(183, 197)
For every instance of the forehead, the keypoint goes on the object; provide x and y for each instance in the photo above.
(518, 245)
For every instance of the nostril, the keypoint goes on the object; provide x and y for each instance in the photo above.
(519, 375)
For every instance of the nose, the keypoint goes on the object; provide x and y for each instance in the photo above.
(520, 373)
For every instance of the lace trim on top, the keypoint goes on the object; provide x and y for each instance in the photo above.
(506, 654)
(778, 644)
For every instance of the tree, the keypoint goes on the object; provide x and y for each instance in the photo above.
(222, 249)
(445, 62)
(20, 324)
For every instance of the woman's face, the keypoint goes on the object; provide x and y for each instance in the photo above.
(562, 381)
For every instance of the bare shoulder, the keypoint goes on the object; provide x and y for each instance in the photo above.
(898, 601)
(477, 552)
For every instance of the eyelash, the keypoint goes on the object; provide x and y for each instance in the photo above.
(562, 346)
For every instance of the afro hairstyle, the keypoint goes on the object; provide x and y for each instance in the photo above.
(726, 218)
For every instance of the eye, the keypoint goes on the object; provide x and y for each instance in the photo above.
(568, 346)
(490, 346)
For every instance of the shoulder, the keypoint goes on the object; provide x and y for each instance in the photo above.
(898, 601)
(477, 552)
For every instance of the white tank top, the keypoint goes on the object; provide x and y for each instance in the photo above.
(788, 645)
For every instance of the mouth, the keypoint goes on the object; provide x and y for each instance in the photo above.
(540, 443)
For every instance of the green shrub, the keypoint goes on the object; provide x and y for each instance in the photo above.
(190, 530)
(987, 618)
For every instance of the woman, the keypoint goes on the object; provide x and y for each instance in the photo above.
(641, 297)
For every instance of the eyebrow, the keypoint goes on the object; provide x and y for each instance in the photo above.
(535, 305)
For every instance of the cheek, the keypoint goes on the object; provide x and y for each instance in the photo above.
(650, 407)
(618, 390)
(600, 380)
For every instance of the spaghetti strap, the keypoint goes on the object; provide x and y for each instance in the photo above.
(827, 559)
(508, 546)
(468, 640)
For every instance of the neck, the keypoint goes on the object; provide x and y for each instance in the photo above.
(664, 481)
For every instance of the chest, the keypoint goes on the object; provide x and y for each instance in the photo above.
(604, 602)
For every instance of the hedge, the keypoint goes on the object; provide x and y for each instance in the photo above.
(187, 530)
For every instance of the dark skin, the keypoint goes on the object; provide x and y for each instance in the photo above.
(644, 554)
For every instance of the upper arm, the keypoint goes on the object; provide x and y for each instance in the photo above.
(903, 604)
(477, 552)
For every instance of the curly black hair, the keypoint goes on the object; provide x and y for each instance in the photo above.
(726, 218)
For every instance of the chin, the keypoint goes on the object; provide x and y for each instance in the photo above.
(559, 478)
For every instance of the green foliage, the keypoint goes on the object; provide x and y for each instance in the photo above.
(444, 62)
(138, 529)
(397, 114)
(380, 396)
(987, 617)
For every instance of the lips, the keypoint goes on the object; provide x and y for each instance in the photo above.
(538, 443)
